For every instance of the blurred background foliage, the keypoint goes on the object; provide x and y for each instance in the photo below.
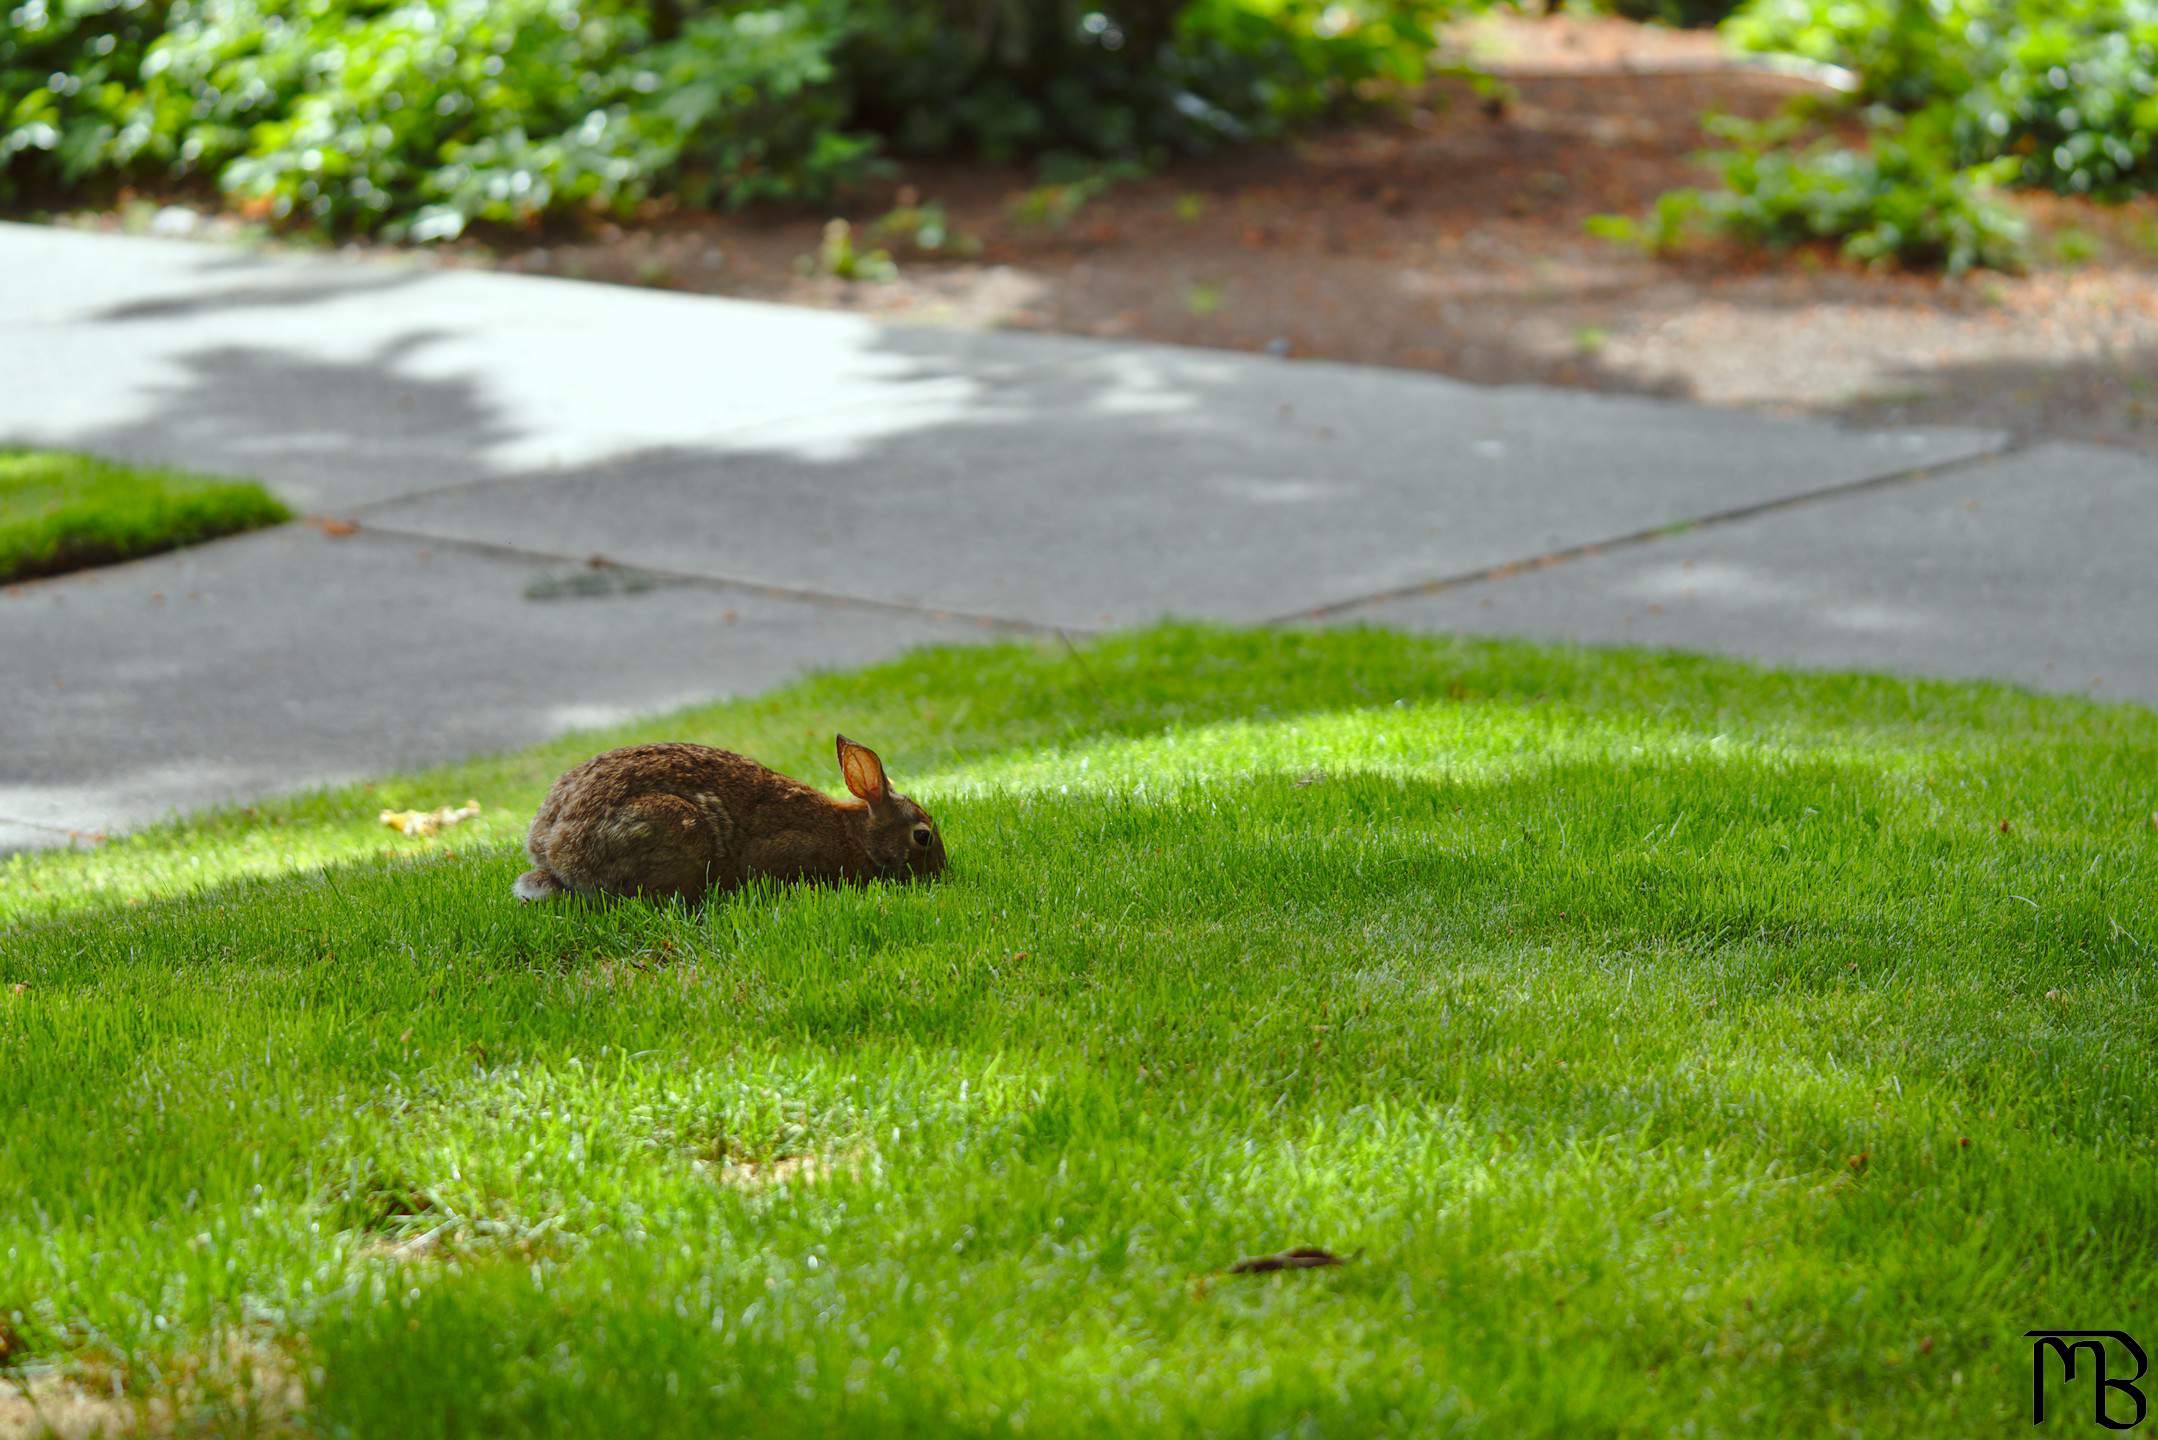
(418, 118)
(1963, 97)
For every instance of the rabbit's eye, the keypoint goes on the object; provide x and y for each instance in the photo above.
(922, 836)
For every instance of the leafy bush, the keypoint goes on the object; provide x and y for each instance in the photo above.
(67, 69)
(420, 117)
(433, 114)
(1904, 52)
(2069, 96)
(1966, 95)
(1010, 77)
(2065, 91)
(1898, 198)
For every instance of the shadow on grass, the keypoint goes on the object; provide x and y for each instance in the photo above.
(1250, 935)
(1640, 839)
(1612, 1001)
(1040, 715)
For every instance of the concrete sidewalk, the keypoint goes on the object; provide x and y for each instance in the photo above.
(782, 490)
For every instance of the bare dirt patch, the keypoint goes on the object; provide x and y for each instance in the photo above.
(63, 1409)
(240, 1387)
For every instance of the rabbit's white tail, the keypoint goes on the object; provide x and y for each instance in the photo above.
(537, 885)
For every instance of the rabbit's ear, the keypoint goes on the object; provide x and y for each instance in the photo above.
(864, 772)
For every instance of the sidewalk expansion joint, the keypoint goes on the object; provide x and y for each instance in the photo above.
(65, 833)
(1506, 570)
(718, 584)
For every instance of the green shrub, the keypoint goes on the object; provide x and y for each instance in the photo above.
(1969, 95)
(68, 72)
(425, 116)
(1140, 78)
(1904, 52)
(434, 114)
(2064, 90)
(2070, 97)
(1898, 198)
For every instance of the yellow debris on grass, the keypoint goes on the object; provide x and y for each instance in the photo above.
(427, 822)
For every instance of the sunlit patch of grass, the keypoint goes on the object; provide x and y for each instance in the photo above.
(61, 512)
(1665, 1042)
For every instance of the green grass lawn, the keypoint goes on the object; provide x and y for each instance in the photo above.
(1671, 1045)
(61, 512)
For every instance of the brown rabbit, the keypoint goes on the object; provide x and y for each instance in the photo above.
(661, 820)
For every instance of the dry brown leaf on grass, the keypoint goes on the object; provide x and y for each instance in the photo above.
(428, 822)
